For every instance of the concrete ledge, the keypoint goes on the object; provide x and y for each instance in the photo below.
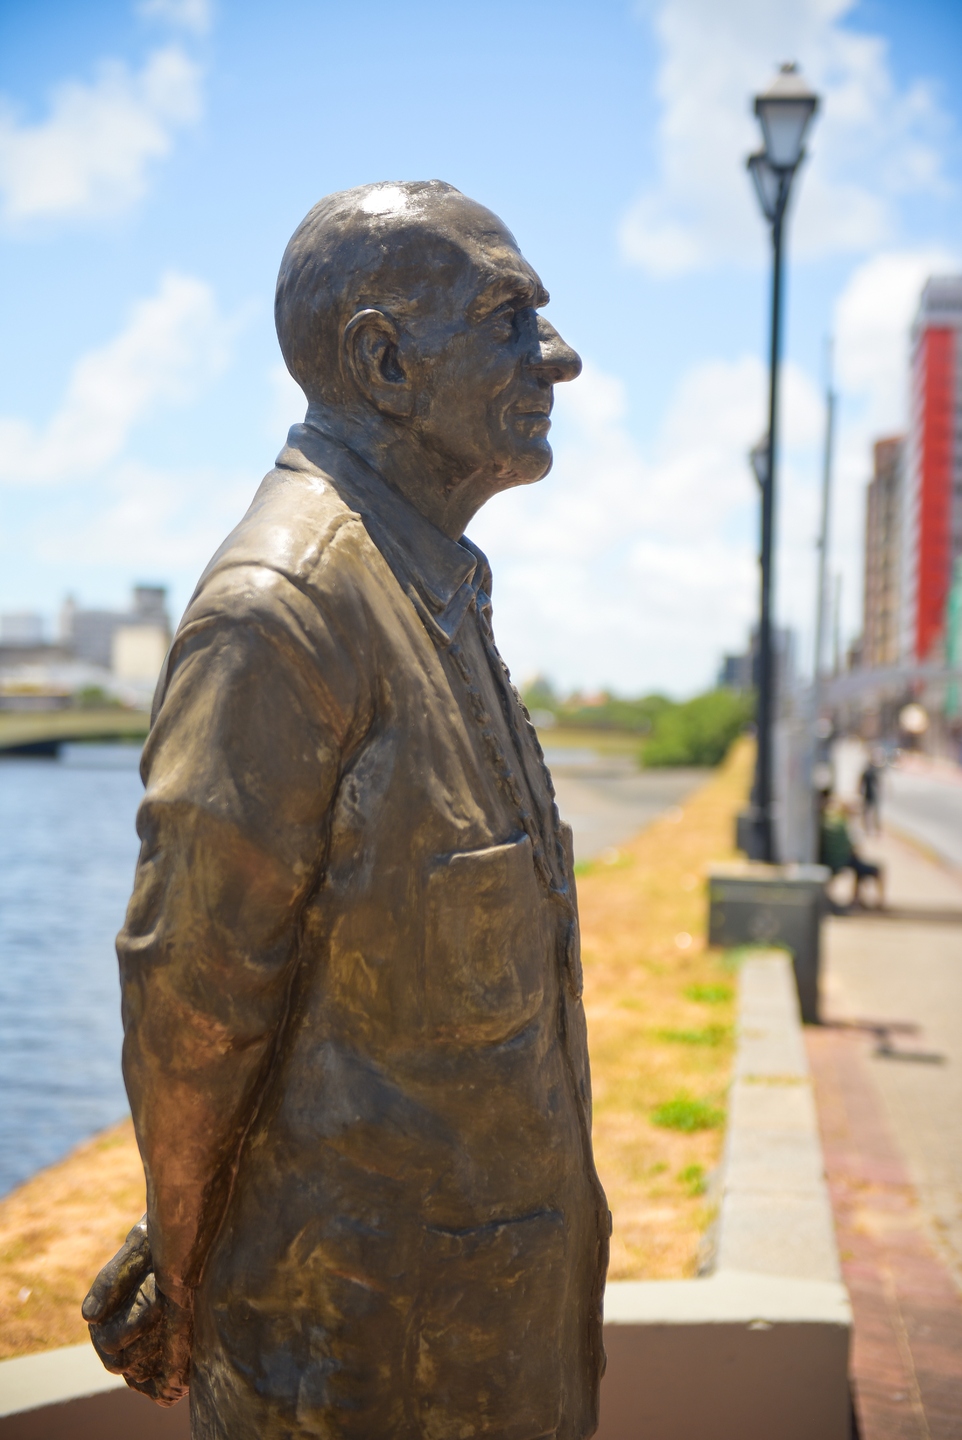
(734, 1356)
(775, 1217)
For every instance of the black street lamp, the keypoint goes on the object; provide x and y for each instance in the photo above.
(784, 111)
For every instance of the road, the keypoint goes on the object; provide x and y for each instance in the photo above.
(928, 807)
(920, 797)
(606, 800)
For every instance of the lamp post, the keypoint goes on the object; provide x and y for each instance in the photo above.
(784, 112)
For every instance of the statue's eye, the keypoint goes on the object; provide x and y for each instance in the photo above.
(504, 318)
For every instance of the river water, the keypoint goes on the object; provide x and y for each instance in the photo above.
(67, 853)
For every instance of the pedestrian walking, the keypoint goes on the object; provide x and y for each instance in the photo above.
(869, 789)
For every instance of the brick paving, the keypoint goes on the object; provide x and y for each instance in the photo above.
(907, 1348)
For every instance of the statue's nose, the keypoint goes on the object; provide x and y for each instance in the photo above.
(553, 360)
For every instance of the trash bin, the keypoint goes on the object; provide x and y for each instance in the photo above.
(756, 904)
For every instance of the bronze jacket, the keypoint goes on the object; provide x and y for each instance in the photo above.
(354, 1038)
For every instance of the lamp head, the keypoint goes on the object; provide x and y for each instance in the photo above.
(785, 111)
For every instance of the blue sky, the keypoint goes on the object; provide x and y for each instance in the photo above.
(155, 157)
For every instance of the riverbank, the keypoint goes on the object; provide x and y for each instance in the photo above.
(660, 1013)
(55, 1233)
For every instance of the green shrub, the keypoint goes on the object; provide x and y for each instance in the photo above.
(95, 697)
(698, 732)
(684, 1113)
(709, 994)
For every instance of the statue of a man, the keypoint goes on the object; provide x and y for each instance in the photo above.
(354, 1037)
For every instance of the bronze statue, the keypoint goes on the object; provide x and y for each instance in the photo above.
(354, 1038)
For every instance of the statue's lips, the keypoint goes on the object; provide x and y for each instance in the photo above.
(537, 421)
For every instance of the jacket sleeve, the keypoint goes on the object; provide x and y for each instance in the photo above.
(261, 708)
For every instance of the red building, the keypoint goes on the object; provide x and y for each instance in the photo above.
(932, 526)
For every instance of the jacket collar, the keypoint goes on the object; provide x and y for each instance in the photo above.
(442, 577)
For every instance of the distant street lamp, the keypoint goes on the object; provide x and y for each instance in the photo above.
(784, 111)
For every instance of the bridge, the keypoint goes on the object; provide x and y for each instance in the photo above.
(42, 732)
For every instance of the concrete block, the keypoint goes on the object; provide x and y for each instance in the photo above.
(731, 1357)
(67, 1394)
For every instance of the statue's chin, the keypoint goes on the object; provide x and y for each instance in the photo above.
(534, 465)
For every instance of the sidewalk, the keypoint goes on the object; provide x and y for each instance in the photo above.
(888, 1076)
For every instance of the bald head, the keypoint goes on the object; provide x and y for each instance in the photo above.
(401, 247)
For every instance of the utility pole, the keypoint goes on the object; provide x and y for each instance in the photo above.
(821, 733)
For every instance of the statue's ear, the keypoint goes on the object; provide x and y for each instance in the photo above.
(372, 359)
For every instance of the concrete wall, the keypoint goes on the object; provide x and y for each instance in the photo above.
(755, 1350)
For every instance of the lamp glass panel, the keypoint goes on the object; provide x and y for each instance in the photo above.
(758, 456)
(766, 184)
(784, 123)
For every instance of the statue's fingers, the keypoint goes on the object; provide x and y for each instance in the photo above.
(114, 1362)
(137, 1315)
(119, 1276)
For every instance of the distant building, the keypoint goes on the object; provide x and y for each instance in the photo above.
(90, 634)
(735, 672)
(137, 653)
(116, 652)
(932, 492)
(881, 640)
(740, 672)
(21, 628)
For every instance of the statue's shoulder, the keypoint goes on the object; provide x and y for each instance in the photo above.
(298, 536)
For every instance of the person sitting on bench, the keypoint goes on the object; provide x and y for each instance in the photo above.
(836, 849)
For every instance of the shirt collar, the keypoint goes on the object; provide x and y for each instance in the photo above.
(442, 577)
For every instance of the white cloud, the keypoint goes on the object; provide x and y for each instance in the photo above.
(873, 316)
(191, 15)
(90, 156)
(173, 344)
(638, 569)
(150, 520)
(872, 143)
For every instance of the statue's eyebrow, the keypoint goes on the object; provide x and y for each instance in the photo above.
(523, 289)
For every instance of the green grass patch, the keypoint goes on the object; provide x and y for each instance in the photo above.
(710, 1035)
(709, 994)
(693, 1179)
(688, 1115)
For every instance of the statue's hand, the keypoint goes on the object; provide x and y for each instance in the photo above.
(135, 1329)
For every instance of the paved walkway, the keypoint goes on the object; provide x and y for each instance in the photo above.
(926, 803)
(888, 1075)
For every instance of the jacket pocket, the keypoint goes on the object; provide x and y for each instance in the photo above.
(487, 1359)
(485, 954)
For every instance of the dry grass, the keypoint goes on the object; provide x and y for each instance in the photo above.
(650, 1043)
(55, 1233)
